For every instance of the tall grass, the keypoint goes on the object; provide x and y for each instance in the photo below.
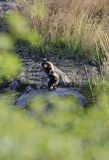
(76, 27)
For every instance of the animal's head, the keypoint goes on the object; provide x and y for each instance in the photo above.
(47, 65)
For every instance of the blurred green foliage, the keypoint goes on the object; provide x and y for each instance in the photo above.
(10, 66)
(65, 131)
(18, 25)
(5, 41)
(20, 29)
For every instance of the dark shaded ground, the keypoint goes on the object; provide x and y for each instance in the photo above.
(34, 82)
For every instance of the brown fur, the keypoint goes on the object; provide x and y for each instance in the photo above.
(53, 80)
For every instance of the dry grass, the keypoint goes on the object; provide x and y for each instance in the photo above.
(77, 27)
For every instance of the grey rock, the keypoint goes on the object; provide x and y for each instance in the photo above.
(14, 85)
(25, 98)
(28, 89)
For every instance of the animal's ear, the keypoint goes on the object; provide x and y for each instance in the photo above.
(45, 59)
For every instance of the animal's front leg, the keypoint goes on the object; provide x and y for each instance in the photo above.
(50, 85)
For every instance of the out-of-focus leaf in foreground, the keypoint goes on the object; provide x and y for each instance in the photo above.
(19, 25)
(20, 29)
(10, 65)
(85, 138)
(34, 38)
(5, 41)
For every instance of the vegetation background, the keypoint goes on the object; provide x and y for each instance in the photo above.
(56, 128)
